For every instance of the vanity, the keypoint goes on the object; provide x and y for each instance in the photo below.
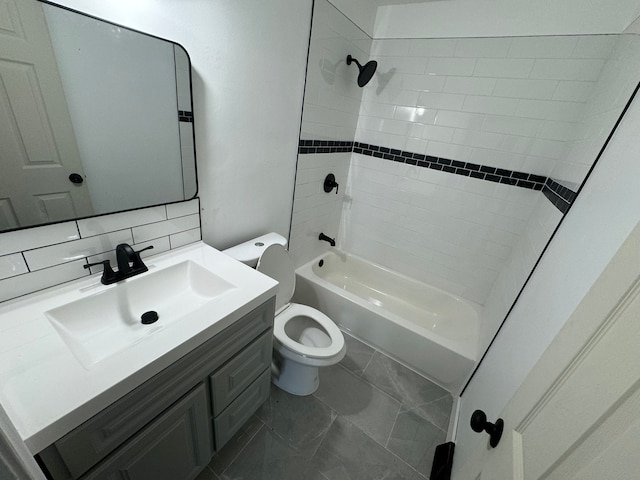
(152, 401)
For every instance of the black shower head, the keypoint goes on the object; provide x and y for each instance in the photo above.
(366, 71)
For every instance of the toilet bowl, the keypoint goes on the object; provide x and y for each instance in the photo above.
(304, 339)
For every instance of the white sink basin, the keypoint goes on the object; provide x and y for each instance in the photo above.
(101, 325)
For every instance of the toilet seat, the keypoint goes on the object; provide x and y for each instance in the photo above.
(276, 263)
(296, 310)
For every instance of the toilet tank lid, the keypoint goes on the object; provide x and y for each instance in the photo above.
(250, 251)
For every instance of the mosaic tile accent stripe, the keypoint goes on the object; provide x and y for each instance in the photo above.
(325, 146)
(467, 169)
(561, 196)
(184, 116)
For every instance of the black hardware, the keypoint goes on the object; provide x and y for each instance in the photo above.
(129, 264)
(321, 263)
(442, 461)
(149, 317)
(330, 183)
(479, 423)
(108, 275)
(366, 71)
(76, 178)
(326, 238)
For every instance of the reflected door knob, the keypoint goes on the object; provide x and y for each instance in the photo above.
(76, 178)
(479, 424)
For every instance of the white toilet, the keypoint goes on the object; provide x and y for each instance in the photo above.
(303, 337)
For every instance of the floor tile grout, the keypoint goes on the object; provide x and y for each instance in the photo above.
(385, 448)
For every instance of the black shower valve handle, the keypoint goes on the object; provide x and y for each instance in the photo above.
(330, 183)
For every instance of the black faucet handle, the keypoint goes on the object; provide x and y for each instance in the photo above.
(137, 261)
(108, 275)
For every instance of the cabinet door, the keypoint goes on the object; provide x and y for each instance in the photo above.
(176, 446)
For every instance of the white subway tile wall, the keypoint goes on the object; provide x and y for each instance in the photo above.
(41, 257)
(499, 97)
(517, 267)
(604, 102)
(450, 231)
(332, 96)
(314, 210)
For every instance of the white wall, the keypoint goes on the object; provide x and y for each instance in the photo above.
(494, 18)
(248, 62)
(604, 214)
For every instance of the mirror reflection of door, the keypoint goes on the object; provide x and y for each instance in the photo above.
(38, 150)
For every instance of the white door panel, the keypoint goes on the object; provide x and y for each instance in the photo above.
(576, 415)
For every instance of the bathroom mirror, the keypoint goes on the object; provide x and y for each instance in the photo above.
(459, 159)
(95, 118)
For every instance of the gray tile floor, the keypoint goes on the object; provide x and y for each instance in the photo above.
(371, 418)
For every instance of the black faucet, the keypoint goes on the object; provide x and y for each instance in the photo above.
(129, 264)
(326, 238)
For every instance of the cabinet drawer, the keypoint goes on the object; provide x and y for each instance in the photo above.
(228, 382)
(177, 444)
(241, 409)
(92, 441)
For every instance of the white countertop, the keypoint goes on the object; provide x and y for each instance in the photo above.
(47, 392)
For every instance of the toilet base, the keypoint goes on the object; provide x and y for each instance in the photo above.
(296, 378)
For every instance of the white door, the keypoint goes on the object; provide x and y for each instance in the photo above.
(38, 149)
(577, 414)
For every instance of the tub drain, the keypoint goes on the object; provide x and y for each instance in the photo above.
(149, 317)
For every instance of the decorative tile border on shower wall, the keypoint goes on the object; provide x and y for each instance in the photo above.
(37, 258)
(325, 146)
(562, 197)
(467, 169)
(184, 116)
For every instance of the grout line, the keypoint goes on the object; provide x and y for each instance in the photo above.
(395, 421)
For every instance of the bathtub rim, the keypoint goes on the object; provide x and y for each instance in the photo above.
(469, 350)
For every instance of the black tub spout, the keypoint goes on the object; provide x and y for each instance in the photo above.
(326, 238)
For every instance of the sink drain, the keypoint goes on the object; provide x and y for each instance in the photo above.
(149, 317)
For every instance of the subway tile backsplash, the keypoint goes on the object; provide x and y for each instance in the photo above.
(41, 257)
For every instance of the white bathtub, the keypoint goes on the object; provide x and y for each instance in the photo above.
(429, 330)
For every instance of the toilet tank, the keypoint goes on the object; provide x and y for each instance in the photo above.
(250, 251)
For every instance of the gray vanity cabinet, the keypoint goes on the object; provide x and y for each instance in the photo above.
(170, 426)
(176, 445)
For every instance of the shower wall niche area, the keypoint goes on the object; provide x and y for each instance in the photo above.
(459, 157)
